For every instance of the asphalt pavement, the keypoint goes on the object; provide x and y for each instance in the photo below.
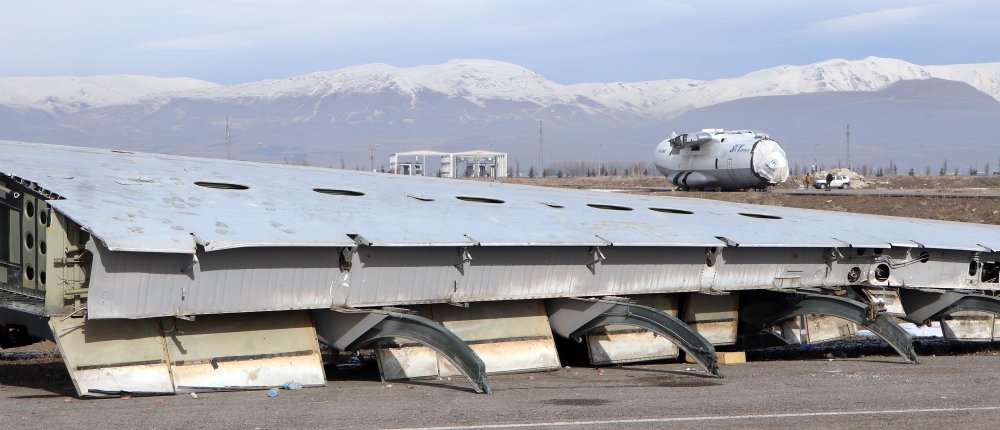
(878, 392)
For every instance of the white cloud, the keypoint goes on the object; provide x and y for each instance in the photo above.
(241, 24)
(873, 20)
(565, 40)
(927, 14)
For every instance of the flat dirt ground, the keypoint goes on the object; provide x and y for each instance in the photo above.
(861, 384)
(951, 198)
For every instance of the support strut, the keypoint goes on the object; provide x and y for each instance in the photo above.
(978, 303)
(573, 318)
(765, 308)
(351, 330)
(922, 306)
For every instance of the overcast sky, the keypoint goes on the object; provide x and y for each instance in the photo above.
(234, 41)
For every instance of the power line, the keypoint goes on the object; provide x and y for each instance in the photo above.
(541, 159)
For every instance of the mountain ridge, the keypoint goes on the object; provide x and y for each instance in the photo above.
(479, 80)
(461, 104)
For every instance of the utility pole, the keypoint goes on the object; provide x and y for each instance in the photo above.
(848, 146)
(600, 162)
(541, 160)
(371, 155)
(229, 140)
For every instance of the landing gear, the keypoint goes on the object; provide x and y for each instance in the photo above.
(352, 330)
(574, 318)
(764, 309)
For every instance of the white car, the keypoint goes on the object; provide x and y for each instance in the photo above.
(839, 181)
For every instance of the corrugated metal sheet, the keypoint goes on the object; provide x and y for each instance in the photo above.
(169, 246)
(141, 285)
(136, 285)
(150, 203)
(399, 275)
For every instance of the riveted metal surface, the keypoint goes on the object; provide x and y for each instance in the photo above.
(148, 202)
(142, 285)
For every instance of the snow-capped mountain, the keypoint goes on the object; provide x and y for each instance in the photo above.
(984, 77)
(456, 105)
(478, 79)
(75, 93)
(482, 80)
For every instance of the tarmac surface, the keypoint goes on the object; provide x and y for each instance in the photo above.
(873, 392)
(956, 194)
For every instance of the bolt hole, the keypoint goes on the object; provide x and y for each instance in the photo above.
(29, 273)
(924, 257)
(672, 211)
(479, 199)
(29, 209)
(878, 251)
(42, 247)
(760, 216)
(421, 198)
(882, 272)
(973, 268)
(609, 207)
(43, 217)
(854, 274)
(221, 185)
(861, 251)
(41, 277)
(29, 241)
(334, 192)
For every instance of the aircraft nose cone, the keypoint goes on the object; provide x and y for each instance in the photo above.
(770, 161)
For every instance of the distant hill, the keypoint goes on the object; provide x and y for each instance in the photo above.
(914, 123)
(329, 116)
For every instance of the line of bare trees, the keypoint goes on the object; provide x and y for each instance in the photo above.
(893, 169)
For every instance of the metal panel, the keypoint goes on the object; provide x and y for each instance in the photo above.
(817, 329)
(714, 316)
(616, 344)
(29, 249)
(142, 285)
(108, 357)
(113, 356)
(509, 336)
(244, 351)
(281, 208)
(8, 242)
(970, 326)
(888, 297)
(42, 222)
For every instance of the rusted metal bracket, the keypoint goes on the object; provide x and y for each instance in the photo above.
(349, 330)
(764, 309)
(573, 318)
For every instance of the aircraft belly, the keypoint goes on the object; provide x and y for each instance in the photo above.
(713, 178)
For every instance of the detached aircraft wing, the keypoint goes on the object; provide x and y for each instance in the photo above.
(226, 257)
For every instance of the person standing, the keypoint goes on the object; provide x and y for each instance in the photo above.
(829, 180)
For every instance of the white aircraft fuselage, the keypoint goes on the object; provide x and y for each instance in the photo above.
(720, 159)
